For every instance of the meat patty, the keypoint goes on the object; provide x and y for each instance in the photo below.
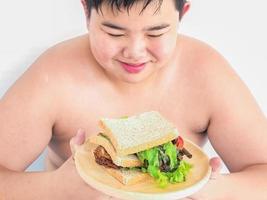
(103, 158)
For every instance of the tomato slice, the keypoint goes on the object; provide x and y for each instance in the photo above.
(180, 142)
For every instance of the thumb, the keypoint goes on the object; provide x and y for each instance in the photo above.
(77, 140)
(216, 165)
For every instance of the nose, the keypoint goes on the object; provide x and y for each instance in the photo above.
(135, 49)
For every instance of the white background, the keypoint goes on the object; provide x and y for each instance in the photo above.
(237, 29)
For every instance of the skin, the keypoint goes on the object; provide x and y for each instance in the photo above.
(78, 81)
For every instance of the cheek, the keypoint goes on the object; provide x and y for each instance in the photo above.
(103, 49)
(163, 48)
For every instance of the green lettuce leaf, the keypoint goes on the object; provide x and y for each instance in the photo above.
(170, 150)
(151, 158)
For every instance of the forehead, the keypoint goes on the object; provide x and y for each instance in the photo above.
(154, 11)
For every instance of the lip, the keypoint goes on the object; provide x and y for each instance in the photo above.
(133, 68)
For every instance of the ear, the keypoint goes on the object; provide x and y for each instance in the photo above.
(186, 7)
(86, 11)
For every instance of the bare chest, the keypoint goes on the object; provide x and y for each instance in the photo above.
(185, 111)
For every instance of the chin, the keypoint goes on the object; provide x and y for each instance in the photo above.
(131, 79)
(135, 79)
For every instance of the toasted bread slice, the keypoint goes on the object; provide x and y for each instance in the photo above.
(126, 176)
(123, 161)
(138, 133)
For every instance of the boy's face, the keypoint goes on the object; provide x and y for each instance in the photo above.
(131, 46)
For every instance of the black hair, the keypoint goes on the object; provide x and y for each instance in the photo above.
(127, 4)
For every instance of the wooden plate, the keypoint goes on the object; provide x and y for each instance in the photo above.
(96, 176)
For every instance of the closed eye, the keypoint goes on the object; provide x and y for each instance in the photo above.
(115, 35)
(155, 35)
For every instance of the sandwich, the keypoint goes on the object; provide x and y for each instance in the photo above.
(133, 148)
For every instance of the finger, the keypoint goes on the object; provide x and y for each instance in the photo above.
(216, 165)
(77, 140)
(80, 137)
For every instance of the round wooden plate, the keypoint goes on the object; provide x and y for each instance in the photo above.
(96, 176)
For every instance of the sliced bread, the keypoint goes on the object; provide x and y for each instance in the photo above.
(128, 177)
(138, 133)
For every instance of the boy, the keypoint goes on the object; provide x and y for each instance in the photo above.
(131, 61)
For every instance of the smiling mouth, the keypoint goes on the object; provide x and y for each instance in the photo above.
(133, 68)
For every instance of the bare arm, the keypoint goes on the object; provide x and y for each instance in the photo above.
(27, 114)
(238, 132)
(26, 117)
(20, 185)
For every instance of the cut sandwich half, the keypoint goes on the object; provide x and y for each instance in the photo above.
(132, 148)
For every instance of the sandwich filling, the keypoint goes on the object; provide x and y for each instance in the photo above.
(164, 162)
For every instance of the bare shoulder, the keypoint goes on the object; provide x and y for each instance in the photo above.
(44, 77)
(222, 81)
(210, 67)
(66, 65)
(71, 62)
(73, 54)
(207, 72)
(202, 54)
